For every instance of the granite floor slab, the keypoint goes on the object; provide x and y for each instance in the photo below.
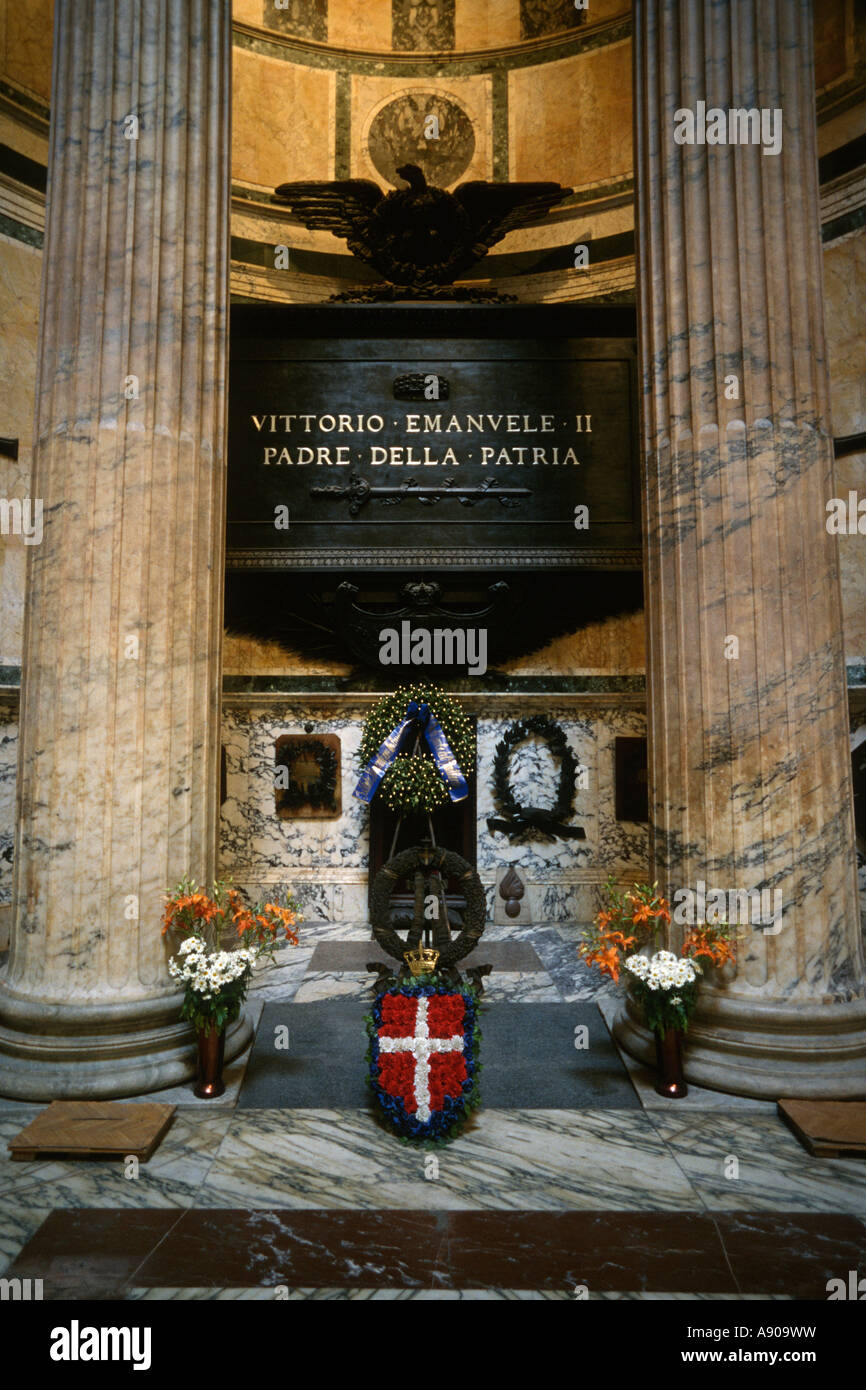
(105, 1253)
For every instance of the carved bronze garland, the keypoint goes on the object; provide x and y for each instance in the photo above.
(547, 821)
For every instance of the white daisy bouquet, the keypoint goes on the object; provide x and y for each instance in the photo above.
(216, 982)
(667, 986)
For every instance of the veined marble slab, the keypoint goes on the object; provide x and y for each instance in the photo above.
(773, 1170)
(515, 1159)
(171, 1178)
(326, 860)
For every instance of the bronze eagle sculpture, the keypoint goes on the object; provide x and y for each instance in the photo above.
(420, 238)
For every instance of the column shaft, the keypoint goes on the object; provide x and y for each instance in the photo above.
(750, 762)
(118, 774)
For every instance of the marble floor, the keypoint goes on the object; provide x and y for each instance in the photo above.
(710, 1197)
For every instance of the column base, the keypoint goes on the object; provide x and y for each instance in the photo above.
(764, 1049)
(98, 1052)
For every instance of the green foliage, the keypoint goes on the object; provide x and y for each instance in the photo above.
(413, 783)
(219, 1011)
(660, 1010)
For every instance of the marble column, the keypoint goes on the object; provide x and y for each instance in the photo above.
(118, 773)
(750, 764)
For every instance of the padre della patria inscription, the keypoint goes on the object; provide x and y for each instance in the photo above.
(397, 136)
(529, 462)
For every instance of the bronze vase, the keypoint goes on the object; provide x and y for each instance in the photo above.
(211, 1051)
(670, 1081)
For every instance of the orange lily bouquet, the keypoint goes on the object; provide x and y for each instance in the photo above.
(639, 916)
(216, 981)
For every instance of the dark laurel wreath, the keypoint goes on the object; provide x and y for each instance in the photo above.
(321, 792)
(548, 821)
(450, 865)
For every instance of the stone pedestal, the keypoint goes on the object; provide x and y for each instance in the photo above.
(749, 759)
(118, 774)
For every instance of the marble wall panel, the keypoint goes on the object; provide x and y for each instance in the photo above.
(365, 26)
(538, 18)
(26, 44)
(420, 26)
(571, 120)
(490, 25)
(31, 141)
(465, 25)
(300, 19)
(616, 646)
(253, 656)
(832, 45)
(845, 316)
(282, 120)
(20, 268)
(326, 861)
(314, 857)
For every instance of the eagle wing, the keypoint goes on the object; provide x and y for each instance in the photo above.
(338, 207)
(494, 209)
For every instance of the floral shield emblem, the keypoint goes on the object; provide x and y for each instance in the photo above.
(423, 1058)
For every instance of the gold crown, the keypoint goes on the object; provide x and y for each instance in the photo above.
(421, 961)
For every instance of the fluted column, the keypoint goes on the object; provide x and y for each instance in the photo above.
(750, 766)
(118, 774)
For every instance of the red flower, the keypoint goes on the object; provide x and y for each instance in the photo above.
(447, 1074)
(397, 1077)
(398, 1016)
(445, 1015)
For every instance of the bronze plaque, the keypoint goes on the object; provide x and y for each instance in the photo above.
(530, 461)
(307, 777)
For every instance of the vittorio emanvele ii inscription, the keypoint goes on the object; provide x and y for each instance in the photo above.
(529, 461)
(441, 454)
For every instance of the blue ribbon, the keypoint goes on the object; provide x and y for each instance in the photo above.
(432, 730)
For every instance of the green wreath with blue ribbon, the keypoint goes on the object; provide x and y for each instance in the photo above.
(416, 747)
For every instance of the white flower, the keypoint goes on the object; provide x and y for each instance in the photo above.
(207, 974)
(663, 971)
(638, 965)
